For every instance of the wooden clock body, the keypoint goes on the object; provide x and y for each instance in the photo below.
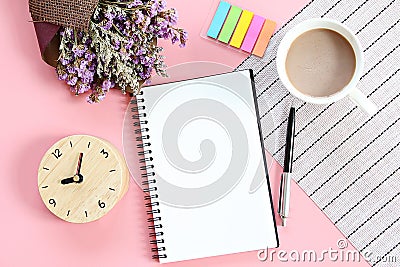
(88, 195)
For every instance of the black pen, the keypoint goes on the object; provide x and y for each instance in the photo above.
(284, 197)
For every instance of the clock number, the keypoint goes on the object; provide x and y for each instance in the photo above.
(52, 202)
(102, 204)
(57, 153)
(104, 153)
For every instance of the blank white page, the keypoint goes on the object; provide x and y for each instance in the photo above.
(210, 170)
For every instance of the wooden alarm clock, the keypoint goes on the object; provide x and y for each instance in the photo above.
(81, 178)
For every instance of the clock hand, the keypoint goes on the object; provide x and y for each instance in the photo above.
(78, 168)
(68, 180)
(78, 177)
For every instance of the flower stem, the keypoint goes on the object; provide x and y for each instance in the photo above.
(118, 31)
(123, 5)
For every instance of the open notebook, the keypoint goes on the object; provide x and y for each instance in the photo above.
(204, 168)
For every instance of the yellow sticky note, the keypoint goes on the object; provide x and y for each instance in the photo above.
(241, 28)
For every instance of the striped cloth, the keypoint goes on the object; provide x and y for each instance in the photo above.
(347, 162)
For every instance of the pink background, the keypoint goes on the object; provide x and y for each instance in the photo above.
(37, 110)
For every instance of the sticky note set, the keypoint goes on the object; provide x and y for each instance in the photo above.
(241, 28)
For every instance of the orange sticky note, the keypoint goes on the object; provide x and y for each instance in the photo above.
(263, 39)
(241, 28)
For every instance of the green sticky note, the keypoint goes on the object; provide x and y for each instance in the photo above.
(230, 24)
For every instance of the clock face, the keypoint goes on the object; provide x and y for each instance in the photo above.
(81, 178)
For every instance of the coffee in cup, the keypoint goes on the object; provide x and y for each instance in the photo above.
(321, 61)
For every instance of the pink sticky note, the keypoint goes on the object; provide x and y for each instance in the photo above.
(252, 33)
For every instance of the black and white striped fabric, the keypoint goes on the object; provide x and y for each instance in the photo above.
(346, 161)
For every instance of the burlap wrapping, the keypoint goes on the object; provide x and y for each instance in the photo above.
(49, 15)
(68, 13)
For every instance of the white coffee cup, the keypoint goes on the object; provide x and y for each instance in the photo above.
(350, 89)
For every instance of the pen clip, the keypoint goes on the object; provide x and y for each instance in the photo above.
(280, 195)
(284, 198)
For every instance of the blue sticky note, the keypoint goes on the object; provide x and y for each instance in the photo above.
(218, 20)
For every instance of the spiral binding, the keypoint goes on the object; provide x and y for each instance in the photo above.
(146, 167)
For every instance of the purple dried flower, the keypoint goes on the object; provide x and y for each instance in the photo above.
(121, 17)
(92, 67)
(162, 5)
(88, 42)
(183, 39)
(185, 35)
(80, 88)
(64, 61)
(174, 39)
(79, 50)
(140, 51)
(129, 44)
(117, 44)
(139, 17)
(72, 80)
(70, 69)
(83, 65)
(108, 25)
(173, 19)
(106, 85)
(109, 15)
(169, 33)
(131, 28)
(62, 75)
(153, 10)
(90, 56)
(147, 22)
(68, 32)
(144, 60)
(90, 99)
(101, 97)
(164, 25)
(135, 3)
(87, 76)
(127, 24)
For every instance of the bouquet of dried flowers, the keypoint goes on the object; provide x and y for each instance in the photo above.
(119, 47)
